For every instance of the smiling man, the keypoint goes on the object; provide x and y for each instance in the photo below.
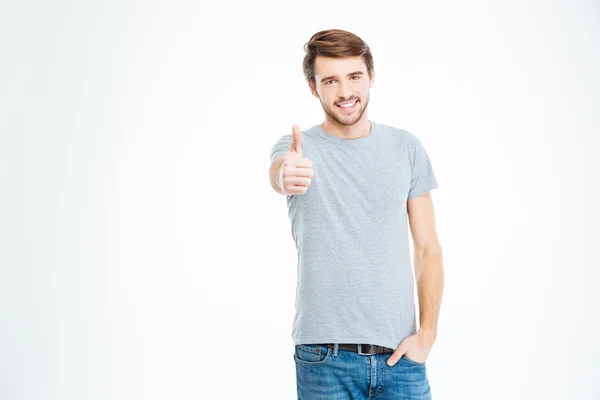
(352, 187)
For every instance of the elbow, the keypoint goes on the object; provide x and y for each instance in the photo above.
(429, 250)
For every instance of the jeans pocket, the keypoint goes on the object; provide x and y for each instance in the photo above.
(412, 361)
(312, 354)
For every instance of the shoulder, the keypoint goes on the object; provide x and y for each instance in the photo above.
(400, 135)
(310, 133)
(306, 133)
(284, 141)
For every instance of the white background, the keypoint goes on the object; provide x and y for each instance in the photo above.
(144, 255)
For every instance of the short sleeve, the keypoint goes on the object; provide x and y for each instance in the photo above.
(423, 178)
(282, 145)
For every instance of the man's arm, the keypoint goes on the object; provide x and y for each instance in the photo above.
(429, 272)
(274, 174)
(296, 171)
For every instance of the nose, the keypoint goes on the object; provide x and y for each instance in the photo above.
(344, 91)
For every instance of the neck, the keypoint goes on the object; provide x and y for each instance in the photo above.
(359, 130)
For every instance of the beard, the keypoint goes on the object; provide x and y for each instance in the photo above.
(338, 115)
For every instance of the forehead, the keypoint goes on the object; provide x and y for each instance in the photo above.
(330, 66)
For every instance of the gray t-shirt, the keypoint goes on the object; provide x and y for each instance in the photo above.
(354, 275)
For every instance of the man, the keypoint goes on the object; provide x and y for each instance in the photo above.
(351, 186)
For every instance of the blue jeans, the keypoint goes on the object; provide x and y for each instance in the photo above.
(325, 373)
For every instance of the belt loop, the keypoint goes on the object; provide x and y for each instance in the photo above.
(335, 349)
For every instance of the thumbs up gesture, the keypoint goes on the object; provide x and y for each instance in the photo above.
(296, 171)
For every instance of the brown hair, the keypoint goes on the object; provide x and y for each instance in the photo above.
(335, 43)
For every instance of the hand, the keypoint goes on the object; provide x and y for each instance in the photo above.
(296, 171)
(416, 347)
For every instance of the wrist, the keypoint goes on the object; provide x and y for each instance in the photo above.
(280, 178)
(429, 334)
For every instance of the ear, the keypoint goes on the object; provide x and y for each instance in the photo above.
(312, 90)
(372, 79)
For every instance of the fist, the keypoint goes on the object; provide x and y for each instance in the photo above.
(296, 171)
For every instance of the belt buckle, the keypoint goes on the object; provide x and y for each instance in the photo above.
(363, 354)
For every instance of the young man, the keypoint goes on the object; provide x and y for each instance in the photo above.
(351, 186)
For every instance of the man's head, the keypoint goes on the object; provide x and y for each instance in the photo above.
(338, 67)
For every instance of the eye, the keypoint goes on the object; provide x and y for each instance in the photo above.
(327, 82)
(356, 76)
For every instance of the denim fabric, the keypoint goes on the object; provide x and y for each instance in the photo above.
(324, 373)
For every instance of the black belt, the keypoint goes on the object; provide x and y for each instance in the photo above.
(363, 349)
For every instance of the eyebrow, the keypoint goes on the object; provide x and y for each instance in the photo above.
(333, 76)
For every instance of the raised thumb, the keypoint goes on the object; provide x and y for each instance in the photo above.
(296, 139)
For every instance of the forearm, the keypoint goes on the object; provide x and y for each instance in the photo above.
(429, 274)
(274, 174)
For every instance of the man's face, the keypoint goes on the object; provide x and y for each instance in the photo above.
(341, 81)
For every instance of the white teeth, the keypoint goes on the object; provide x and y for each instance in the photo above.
(347, 105)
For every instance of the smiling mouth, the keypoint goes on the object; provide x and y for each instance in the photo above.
(348, 106)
